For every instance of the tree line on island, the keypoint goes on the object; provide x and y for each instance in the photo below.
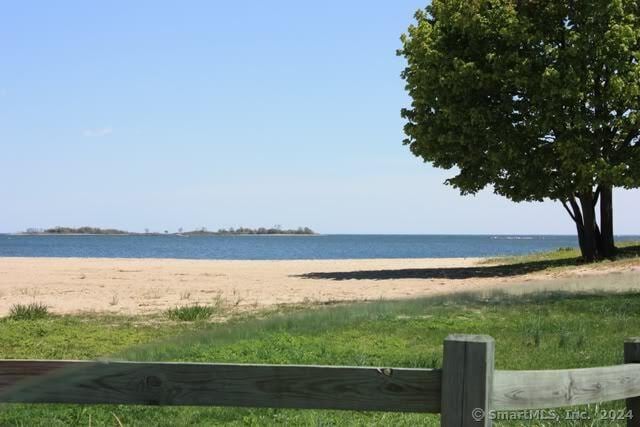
(74, 230)
(244, 231)
(275, 230)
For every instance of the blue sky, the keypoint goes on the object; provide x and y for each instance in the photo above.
(161, 115)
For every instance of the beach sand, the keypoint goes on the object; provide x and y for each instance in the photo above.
(144, 286)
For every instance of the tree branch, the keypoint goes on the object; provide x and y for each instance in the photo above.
(573, 217)
(577, 213)
(596, 196)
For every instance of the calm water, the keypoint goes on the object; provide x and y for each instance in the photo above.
(280, 247)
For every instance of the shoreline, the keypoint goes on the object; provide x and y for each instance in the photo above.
(139, 286)
(222, 260)
(145, 286)
(157, 234)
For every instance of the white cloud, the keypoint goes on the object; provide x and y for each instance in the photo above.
(97, 132)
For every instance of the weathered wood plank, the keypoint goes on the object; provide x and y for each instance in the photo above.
(557, 388)
(632, 355)
(467, 377)
(13, 372)
(274, 386)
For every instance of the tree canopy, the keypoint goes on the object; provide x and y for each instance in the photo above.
(538, 99)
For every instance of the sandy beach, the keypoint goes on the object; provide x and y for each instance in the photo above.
(144, 286)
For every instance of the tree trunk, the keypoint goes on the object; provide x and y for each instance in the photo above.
(599, 247)
(577, 218)
(606, 222)
(589, 246)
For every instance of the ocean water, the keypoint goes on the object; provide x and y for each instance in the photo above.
(281, 247)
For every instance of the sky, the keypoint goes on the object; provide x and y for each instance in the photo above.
(165, 114)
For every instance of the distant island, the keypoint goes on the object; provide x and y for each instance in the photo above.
(250, 231)
(276, 230)
(71, 230)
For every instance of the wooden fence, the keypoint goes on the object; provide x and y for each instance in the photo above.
(464, 391)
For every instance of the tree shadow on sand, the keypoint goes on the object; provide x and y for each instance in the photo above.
(475, 272)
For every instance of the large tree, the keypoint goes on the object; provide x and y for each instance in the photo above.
(538, 99)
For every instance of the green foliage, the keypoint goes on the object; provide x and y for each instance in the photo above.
(259, 231)
(192, 313)
(82, 230)
(32, 311)
(537, 99)
(546, 331)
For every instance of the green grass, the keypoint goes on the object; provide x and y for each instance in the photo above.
(192, 313)
(546, 331)
(77, 337)
(562, 257)
(32, 311)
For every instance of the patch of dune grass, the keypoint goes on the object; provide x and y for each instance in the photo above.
(192, 313)
(31, 311)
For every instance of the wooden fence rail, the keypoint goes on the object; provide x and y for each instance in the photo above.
(466, 388)
(273, 386)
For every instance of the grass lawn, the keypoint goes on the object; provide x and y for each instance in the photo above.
(627, 252)
(544, 331)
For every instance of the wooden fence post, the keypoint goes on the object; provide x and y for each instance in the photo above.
(467, 380)
(632, 355)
